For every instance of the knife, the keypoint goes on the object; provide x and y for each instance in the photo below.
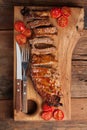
(18, 80)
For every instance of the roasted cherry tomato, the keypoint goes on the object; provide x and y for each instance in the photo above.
(21, 39)
(19, 26)
(27, 32)
(66, 11)
(62, 21)
(58, 114)
(47, 115)
(55, 12)
(46, 107)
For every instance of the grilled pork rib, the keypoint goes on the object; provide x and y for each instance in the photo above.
(46, 30)
(38, 23)
(42, 46)
(46, 40)
(44, 72)
(44, 57)
(30, 15)
(47, 59)
(47, 90)
(43, 51)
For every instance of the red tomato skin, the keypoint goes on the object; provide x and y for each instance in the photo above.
(58, 114)
(55, 12)
(21, 39)
(27, 32)
(19, 26)
(66, 11)
(47, 115)
(46, 107)
(62, 21)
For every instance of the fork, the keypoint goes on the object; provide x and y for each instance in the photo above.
(25, 60)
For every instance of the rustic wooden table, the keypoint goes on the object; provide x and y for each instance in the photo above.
(79, 73)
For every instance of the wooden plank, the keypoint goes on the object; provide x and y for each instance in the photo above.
(79, 108)
(6, 20)
(6, 64)
(79, 79)
(6, 109)
(79, 118)
(42, 2)
(80, 51)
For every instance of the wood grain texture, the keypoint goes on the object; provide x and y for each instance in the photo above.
(6, 109)
(80, 51)
(42, 2)
(6, 21)
(79, 79)
(6, 64)
(78, 122)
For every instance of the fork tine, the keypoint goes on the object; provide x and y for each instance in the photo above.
(28, 54)
(22, 53)
(25, 54)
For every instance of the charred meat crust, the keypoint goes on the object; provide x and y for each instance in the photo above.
(52, 100)
(30, 15)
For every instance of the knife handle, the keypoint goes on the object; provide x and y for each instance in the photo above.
(18, 95)
(24, 107)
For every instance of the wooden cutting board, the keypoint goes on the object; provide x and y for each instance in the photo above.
(66, 40)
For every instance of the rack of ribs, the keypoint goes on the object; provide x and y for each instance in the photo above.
(44, 57)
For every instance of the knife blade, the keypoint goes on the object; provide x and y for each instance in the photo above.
(18, 80)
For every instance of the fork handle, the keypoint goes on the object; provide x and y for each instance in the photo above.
(24, 107)
(18, 95)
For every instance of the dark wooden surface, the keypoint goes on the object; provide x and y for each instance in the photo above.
(79, 72)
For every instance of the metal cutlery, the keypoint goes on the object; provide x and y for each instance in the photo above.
(19, 80)
(25, 61)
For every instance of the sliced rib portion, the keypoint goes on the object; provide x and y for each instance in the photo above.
(47, 59)
(37, 72)
(44, 51)
(46, 30)
(40, 13)
(35, 15)
(46, 40)
(43, 45)
(52, 36)
(38, 23)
